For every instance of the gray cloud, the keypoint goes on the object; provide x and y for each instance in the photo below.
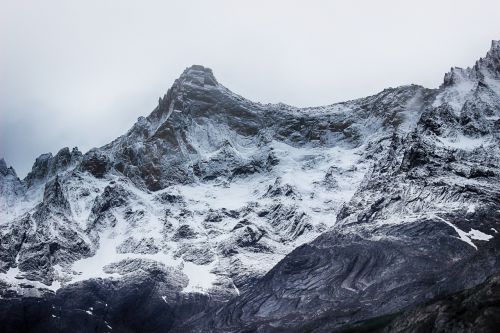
(79, 73)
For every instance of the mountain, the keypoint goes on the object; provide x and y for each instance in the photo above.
(215, 213)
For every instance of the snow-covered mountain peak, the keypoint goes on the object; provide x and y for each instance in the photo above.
(485, 70)
(493, 55)
(197, 75)
(47, 166)
(213, 190)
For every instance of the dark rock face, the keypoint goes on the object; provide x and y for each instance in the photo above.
(340, 279)
(289, 220)
(184, 231)
(114, 196)
(95, 163)
(54, 197)
(217, 214)
(142, 304)
(473, 310)
(11, 242)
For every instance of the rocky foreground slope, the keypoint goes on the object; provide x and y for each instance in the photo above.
(215, 213)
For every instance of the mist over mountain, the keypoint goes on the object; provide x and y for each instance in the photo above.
(218, 214)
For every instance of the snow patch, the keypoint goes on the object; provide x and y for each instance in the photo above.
(468, 236)
(200, 277)
(463, 142)
(476, 234)
(13, 276)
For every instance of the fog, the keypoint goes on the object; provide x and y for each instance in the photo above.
(79, 73)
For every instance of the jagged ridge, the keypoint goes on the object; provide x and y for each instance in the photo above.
(211, 190)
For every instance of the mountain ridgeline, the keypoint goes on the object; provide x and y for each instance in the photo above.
(218, 214)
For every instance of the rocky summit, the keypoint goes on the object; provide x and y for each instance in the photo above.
(218, 214)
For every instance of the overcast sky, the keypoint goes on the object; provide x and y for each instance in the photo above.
(79, 73)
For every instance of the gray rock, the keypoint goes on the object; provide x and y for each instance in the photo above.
(423, 221)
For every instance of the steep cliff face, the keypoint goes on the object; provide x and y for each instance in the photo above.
(11, 187)
(218, 195)
(473, 310)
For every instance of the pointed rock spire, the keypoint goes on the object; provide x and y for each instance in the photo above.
(5, 170)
